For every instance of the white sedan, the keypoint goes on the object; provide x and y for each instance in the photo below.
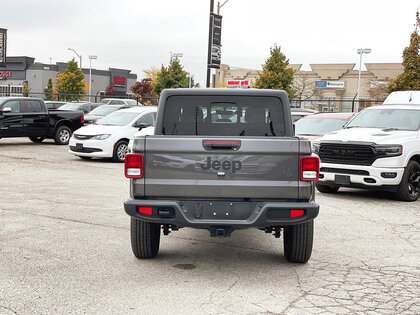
(109, 136)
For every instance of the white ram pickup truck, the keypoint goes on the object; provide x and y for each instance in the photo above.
(378, 149)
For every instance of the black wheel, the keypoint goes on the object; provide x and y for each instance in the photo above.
(120, 151)
(85, 157)
(326, 189)
(145, 238)
(36, 139)
(409, 188)
(297, 240)
(62, 135)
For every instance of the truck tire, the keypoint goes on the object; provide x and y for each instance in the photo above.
(326, 189)
(409, 188)
(145, 238)
(120, 151)
(36, 139)
(297, 240)
(62, 135)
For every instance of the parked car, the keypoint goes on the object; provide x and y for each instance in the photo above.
(378, 149)
(120, 101)
(403, 98)
(29, 117)
(101, 111)
(298, 113)
(315, 126)
(53, 104)
(109, 136)
(82, 106)
(222, 160)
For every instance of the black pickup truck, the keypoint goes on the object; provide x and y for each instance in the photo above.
(29, 117)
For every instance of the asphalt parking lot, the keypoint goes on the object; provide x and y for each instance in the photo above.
(65, 249)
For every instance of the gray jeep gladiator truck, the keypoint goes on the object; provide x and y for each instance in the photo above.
(221, 160)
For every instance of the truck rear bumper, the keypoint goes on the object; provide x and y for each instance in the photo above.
(206, 214)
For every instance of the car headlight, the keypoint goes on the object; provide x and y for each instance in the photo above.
(101, 137)
(389, 150)
(315, 147)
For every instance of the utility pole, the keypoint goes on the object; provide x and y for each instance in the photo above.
(210, 43)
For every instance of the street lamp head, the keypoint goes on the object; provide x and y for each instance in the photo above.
(364, 51)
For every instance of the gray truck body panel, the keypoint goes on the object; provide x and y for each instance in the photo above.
(254, 184)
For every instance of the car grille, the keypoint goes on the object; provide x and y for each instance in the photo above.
(344, 171)
(347, 153)
(82, 137)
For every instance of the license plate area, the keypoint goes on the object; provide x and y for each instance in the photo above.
(79, 146)
(342, 179)
(220, 210)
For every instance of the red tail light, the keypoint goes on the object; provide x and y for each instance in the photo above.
(133, 166)
(309, 168)
(296, 213)
(83, 118)
(145, 210)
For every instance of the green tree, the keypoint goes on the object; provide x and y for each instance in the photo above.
(48, 91)
(172, 76)
(276, 75)
(71, 82)
(410, 78)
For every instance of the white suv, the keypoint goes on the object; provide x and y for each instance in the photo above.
(378, 149)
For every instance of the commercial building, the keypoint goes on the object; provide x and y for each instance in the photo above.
(326, 87)
(20, 70)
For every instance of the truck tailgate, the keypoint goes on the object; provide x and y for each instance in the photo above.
(222, 167)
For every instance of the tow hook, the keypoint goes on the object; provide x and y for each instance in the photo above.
(167, 227)
(221, 231)
(276, 230)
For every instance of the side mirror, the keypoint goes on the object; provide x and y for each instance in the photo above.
(141, 126)
(6, 110)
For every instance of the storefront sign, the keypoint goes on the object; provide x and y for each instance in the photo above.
(5, 74)
(3, 40)
(238, 83)
(329, 84)
(119, 80)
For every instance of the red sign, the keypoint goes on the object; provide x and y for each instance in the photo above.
(119, 80)
(5, 73)
(238, 83)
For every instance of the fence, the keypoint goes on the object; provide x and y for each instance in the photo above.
(323, 105)
(334, 105)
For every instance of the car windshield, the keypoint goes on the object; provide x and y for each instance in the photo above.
(318, 126)
(105, 101)
(131, 102)
(69, 106)
(103, 110)
(117, 118)
(384, 118)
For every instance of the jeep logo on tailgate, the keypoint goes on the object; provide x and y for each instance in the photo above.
(217, 165)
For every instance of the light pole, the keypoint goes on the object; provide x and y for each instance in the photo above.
(80, 56)
(360, 51)
(177, 55)
(90, 75)
(190, 76)
(220, 6)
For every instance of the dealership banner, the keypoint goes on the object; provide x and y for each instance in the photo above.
(330, 84)
(3, 40)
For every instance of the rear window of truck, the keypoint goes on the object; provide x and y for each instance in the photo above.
(224, 116)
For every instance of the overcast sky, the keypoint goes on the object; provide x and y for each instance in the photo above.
(140, 34)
